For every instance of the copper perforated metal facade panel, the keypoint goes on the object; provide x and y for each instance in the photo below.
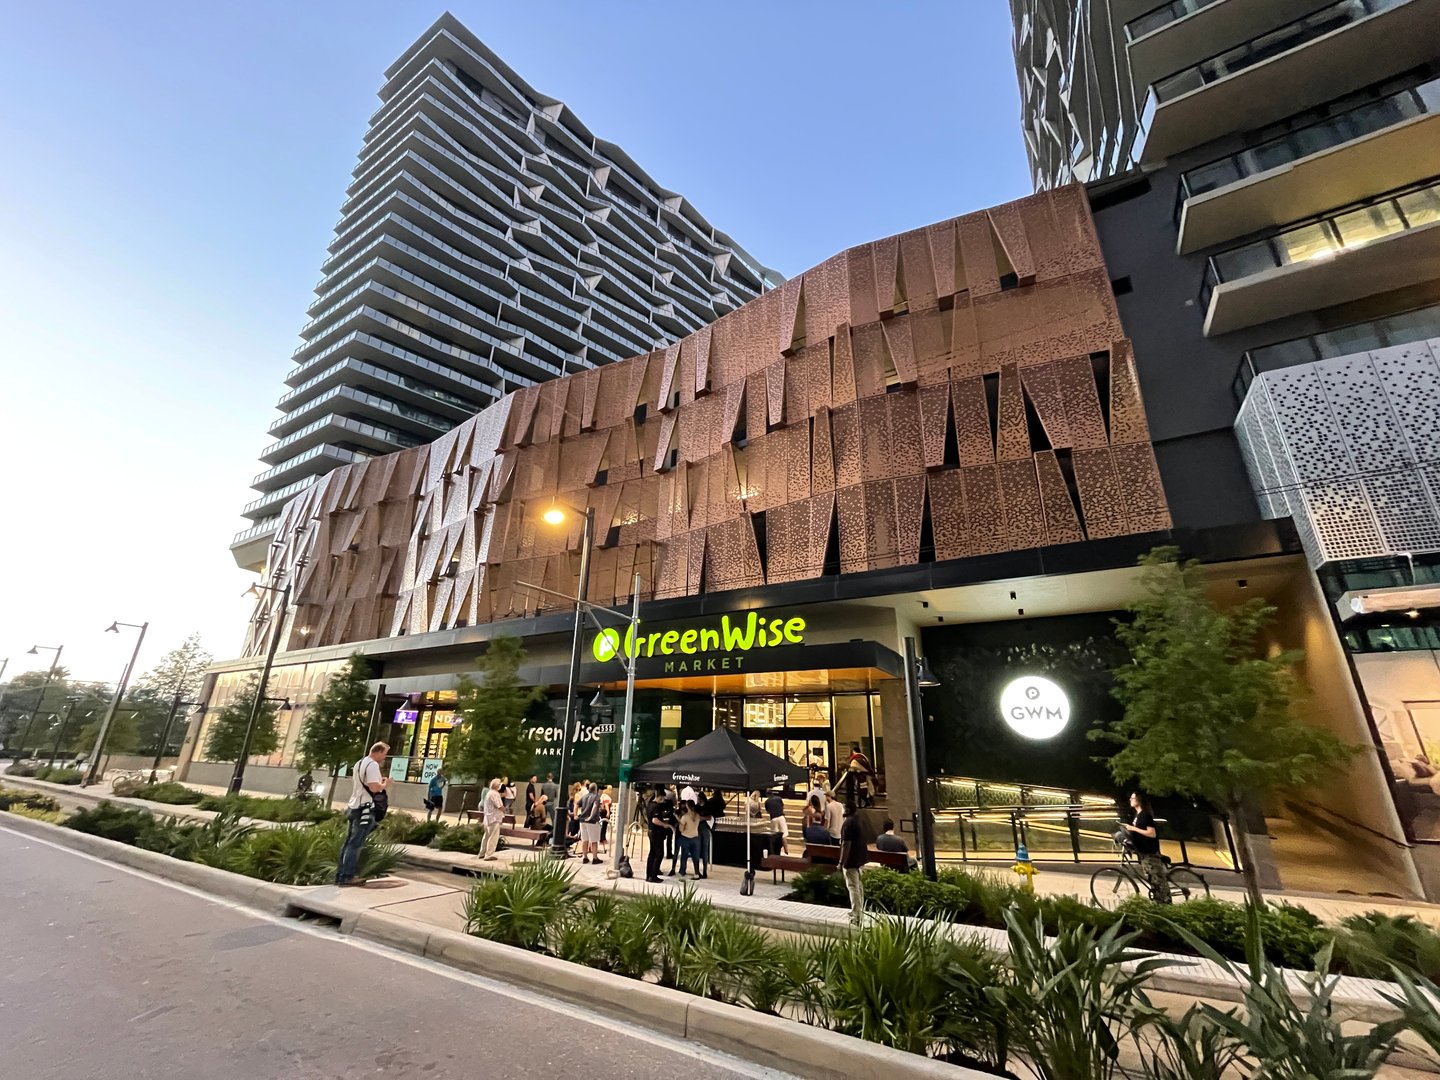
(942, 384)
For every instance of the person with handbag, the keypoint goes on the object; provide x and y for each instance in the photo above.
(369, 800)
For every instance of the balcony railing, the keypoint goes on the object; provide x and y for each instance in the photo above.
(1403, 328)
(1163, 15)
(1355, 123)
(260, 528)
(1326, 237)
(1290, 36)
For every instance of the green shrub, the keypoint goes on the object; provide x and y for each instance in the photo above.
(400, 828)
(1071, 999)
(679, 919)
(16, 801)
(122, 823)
(1292, 935)
(726, 955)
(1290, 1039)
(463, 838)
(170, 793)
(632, 942)
(908, 985)
(1370, 944)
(58, 775)
(819, 885)
(285, 811)
(518, 907)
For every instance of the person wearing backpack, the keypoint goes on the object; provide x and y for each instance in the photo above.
(369, 800)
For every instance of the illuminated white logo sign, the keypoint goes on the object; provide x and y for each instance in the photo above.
(1034, 707)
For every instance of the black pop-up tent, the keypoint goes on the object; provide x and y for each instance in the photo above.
(723, 760)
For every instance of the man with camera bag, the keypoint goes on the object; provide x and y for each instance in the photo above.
(368, 802)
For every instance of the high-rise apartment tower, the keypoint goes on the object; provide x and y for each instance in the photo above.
(488, 241)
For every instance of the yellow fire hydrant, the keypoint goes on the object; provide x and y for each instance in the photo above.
(1025, 868)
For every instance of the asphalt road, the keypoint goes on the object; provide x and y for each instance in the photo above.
(105, 973)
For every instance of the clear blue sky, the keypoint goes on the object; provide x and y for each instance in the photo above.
(172, 173)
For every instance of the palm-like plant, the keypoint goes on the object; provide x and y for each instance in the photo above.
(1287, 1040)
(1194, 1047)
(519, 907)
(1073, 999)
(726, 954)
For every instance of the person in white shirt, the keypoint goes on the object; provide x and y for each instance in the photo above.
(360, 812)
(494, 816)
(834, 817)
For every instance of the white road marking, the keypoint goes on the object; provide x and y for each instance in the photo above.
(654, 1038)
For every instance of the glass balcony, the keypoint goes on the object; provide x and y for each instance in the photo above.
(1163, 15)
(1290, 36)
(1404, 328)
(437, 424)
(1344, 127)
(261, 528)
(341, 456)
(1338, 232)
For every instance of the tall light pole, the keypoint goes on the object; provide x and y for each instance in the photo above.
(627, 653)
(70, 704)
(93, 767)
(165, 733)
(555, 516)
(918, 676)
(277, 618)
(35, 650)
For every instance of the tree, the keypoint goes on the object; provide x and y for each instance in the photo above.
(176, 677)
(489, 738)
(26, 692)
(227, 730)
(1206, 714)
(338, 720)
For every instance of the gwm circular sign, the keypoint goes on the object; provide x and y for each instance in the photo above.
(1035, 707)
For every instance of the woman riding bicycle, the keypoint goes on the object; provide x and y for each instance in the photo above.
(1144, 840)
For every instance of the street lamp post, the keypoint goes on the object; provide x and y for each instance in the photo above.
(558, 847)
(93, 767)
(238, 776)
(917, 676)
(165, 732)
(64, 724)
(627, 658)
(35, 651)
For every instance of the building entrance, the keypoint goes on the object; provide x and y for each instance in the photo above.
(817, 731)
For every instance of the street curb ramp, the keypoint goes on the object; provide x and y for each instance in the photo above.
(758, 1037)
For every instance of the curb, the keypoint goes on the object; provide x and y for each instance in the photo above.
(263, 895)
(758, 1037)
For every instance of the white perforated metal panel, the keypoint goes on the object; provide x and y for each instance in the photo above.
(1350, 449)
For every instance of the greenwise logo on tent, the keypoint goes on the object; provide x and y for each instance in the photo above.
(702, 643)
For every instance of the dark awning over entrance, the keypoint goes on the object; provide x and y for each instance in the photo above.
(721, 759)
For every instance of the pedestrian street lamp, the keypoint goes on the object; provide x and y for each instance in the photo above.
(610, 643)
(70, 703)
(93, 767)
(170, 717)
(557, 514)
(35, 650)
(918, 677)
(237, 777)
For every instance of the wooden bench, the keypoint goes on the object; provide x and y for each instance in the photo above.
(828, 856)
(514, 832)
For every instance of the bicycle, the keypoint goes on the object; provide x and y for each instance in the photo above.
(1112, 884)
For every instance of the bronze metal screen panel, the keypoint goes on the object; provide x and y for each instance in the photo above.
(851, 426)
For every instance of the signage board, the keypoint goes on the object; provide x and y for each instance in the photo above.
(1035, 707)
(711, 645)
(407, 716)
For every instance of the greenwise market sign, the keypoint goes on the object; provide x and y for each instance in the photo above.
(720, 646)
